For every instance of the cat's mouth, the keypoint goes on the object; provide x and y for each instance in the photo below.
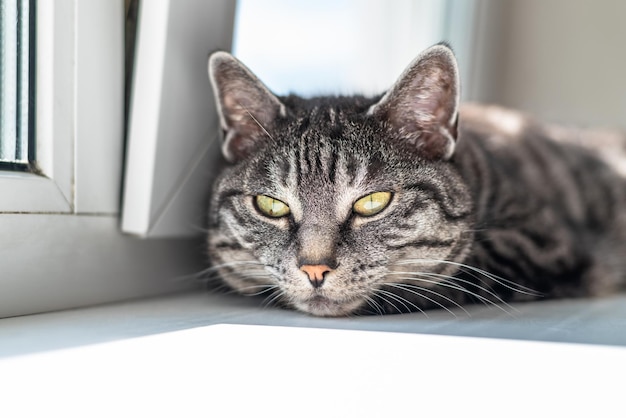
(319, 305)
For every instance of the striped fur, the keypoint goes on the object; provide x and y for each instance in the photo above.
(487, 207)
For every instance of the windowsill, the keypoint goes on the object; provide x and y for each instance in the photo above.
(600, 321)
(191, 360)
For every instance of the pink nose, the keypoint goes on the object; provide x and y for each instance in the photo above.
(316, 273)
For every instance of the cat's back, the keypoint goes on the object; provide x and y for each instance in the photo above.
(501, 130)
(509, 153)
(557, 192)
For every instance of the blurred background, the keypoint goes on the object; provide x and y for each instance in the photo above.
(561, 60)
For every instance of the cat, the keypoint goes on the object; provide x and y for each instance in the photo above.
(409, 201)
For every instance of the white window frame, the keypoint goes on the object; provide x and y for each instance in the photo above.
(61, 245)
(173, 143)
(79, 86)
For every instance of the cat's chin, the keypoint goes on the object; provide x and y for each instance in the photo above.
(323, 306)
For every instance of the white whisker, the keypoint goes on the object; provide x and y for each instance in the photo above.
(450, 285)
(479, 287)
(233, 264)
(272, 298)
(388, 301)
(200, 275)
(255, 120)
(372, 303)
(509, 284)
(402, 300)
(266, 287)
(414, 289)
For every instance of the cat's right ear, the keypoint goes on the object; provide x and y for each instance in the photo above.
(246, 108)
(420, 111)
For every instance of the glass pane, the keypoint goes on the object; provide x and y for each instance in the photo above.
(334, 46)
(15, 77)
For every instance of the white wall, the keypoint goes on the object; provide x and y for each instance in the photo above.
(561, 60)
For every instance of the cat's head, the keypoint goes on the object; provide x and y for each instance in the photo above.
(331, 205)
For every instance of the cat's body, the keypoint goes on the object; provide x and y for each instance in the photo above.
(404, 203)
(548, 203)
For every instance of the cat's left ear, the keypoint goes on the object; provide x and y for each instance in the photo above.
(421, 109)
(247, 109)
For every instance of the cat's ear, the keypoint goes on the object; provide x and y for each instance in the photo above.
(247, 109)
(421, 109)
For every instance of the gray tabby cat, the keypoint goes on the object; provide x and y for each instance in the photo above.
(405, 202)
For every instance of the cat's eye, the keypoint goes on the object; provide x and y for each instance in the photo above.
(372, 204)
(271, 207)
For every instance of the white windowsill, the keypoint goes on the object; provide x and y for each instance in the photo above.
(170, 357)
(597, 322)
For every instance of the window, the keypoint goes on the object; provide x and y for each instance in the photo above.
(344, 46)
(16, 81)
(61, 245)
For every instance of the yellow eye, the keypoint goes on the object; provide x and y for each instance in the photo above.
(271, 207)
(372, 204)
